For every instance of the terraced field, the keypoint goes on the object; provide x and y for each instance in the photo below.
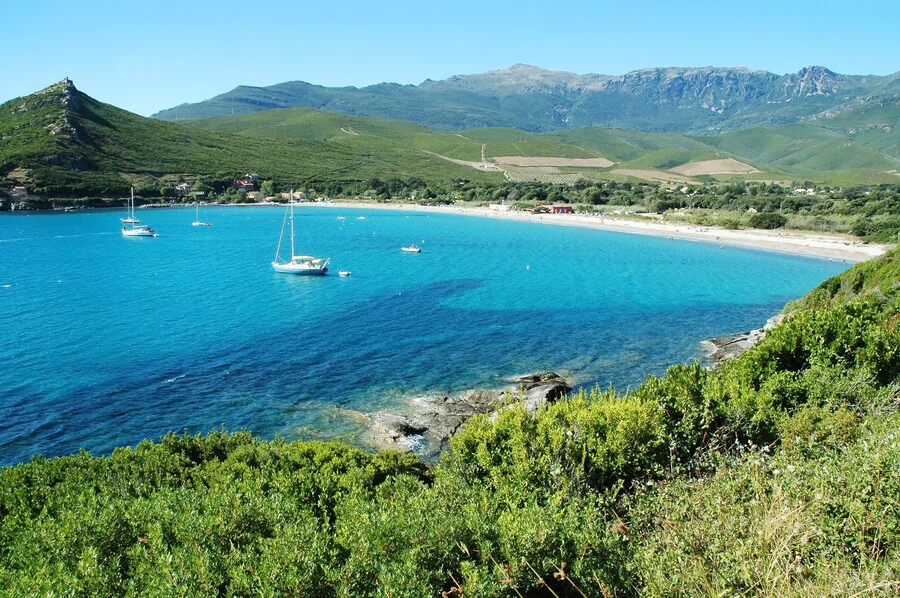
(543, 174)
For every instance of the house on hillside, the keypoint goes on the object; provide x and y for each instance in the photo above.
(183, 189)
(253, 177)
(243, 185)
(297, 196)
(17, 192)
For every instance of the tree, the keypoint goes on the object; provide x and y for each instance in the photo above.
(768, 220)
(267, 188)
(203, 188)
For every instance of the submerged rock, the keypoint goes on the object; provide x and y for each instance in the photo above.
(430, 421)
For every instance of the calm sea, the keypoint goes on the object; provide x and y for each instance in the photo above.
(105, 341)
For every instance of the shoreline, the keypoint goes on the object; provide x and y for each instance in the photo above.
(807, 244)
(831, 246)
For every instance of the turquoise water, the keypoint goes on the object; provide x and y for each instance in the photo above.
(105, 341)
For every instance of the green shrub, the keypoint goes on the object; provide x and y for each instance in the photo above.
(767, 220)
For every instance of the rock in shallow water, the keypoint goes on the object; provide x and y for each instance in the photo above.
(728, 347)
(433, 420)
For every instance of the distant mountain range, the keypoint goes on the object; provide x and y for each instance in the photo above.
(699, 101)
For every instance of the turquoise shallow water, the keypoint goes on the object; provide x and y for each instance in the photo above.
(105, 341)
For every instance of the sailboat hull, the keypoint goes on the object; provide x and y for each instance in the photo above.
(303, 269)
(139, 232)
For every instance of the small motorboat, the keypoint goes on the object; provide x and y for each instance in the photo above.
(411, 249)
(344, 273)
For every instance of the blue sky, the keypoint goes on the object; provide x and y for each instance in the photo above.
(147, 56)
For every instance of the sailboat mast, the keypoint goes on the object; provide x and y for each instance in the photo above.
(292, 224)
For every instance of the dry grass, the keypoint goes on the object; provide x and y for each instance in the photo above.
(486, 166)
(723, 166)
(18, 174)
(550, 161)
(657, 176)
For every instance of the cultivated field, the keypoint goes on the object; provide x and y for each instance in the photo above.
(657, 176)
(550, 161)
(723, 166)
(543, 174)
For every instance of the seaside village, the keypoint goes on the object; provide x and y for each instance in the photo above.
(248, 189)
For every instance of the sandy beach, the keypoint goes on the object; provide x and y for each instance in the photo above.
(820, 245)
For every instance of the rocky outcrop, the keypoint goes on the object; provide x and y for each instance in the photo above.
(719, 350)
(427, 423)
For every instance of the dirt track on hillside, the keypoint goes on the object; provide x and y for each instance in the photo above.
(549, 161)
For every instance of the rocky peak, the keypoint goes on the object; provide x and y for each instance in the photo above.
(810, 81)
(63, 93)
(519, 78)
(61, 102)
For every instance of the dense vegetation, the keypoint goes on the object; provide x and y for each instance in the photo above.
(774, 475)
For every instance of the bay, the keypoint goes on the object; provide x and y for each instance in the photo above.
(106, 341)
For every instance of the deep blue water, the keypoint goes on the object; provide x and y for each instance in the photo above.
(105, 341)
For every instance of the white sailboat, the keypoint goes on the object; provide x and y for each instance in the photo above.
(129, 213)
(197, 221)
(298, 264)
(130, 226)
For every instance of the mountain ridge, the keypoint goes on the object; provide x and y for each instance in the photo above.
(694, 100)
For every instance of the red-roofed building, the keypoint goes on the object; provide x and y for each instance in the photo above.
(243, 184)
(557, 209)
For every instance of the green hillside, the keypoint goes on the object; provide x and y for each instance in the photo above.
(454, 109)
(61, 142)
(829, 151)
(809, 147)
(874, 125)
(358, 132)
